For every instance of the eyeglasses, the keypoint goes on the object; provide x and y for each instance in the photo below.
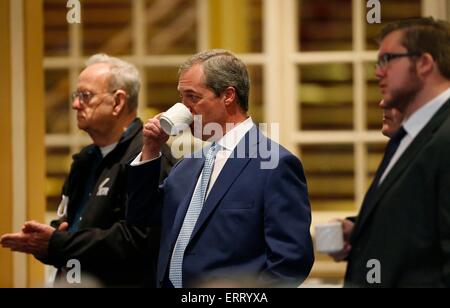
(85, 96)
(387, 57)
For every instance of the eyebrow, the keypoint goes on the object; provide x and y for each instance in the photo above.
(188, 91)
(84, 89)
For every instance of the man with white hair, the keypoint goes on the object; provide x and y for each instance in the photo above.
(94, 195)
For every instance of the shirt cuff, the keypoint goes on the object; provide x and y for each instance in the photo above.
(137, 161)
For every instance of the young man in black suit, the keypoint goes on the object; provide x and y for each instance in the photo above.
(392, 121)
(401, 237)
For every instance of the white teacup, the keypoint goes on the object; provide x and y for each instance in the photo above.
(176, 119)
(329, 237)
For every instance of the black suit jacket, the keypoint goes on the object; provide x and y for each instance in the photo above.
(407, 226)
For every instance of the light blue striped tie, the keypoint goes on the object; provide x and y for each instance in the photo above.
(195, 207)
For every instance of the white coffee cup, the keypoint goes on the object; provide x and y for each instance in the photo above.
(329, 237)
(176, 119)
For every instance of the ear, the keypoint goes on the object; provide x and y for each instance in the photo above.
(425, 64)
(120, 99)
(230, 96)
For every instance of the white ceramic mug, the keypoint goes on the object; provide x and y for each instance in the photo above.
(329, 237)
(176, 119)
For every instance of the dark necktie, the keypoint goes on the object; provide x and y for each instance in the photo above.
(391, 148)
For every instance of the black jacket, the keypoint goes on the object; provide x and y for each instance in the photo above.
(105, 246)
(406, 229)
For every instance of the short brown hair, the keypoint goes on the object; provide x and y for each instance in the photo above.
(424, 35)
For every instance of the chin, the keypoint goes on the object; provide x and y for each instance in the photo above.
(81, 125)
(387, 131)
(388, 102)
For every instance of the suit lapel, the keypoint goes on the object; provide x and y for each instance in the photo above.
(230, 172)
(403, 163)
(392, 176)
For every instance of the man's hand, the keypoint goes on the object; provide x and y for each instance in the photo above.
(347, 228)
(154, 138)
(33, 239)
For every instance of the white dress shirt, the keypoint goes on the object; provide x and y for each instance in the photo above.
(414, 125)
(227, 145)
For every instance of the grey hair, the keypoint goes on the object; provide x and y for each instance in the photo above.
(122, 75)
(222, 69)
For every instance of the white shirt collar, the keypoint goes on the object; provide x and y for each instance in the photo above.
(108, 149)
(232, 138)
(423, 115)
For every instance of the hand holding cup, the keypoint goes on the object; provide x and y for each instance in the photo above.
(329, 237)
(154, 138)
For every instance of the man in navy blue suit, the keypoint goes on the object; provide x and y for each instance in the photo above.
(240, 209)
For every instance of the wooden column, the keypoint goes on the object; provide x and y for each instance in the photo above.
(228, 28)
(22, 132)
(35, 124)
(6, 203)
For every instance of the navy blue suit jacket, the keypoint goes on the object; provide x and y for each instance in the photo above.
(255, 222)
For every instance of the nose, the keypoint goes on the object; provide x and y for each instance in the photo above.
(379, 72)
(189, 106)
(76, 105)
(382, 105)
